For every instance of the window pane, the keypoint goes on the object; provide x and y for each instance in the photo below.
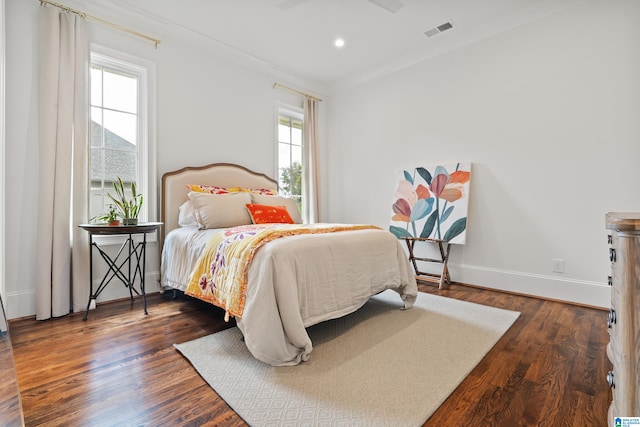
(120, 92)
(96, 115)
(296, 154)
(120, 130)
(296, 136)
(284, 155)
(283, 133)
(96, 86)
(289, 182)
(296, 178)
(119, 164)
(96, 133)
(284, 120)
(96, 202)
(97, 166)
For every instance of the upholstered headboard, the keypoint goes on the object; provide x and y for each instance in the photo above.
(174, 191)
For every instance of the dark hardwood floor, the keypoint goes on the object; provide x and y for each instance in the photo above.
(119, 368)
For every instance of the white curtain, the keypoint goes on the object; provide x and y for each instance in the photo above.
(62, 248)
(310, 180)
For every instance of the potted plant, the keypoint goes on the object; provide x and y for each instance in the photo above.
(110, 217)
(128, 209)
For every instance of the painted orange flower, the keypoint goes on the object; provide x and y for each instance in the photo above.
(452, 191)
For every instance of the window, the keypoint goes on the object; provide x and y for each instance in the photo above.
(121, 145)
(290, 164)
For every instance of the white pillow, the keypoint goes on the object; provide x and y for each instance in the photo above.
(288, 202)
(220, 210)
(186, 216)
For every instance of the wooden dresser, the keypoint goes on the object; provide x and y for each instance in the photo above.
(623, 349)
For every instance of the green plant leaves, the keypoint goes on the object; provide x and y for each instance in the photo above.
(428, 225)
(446, 214)
(127, 208)
(408, 177)
(425, 175)
(399, 232)
(456, 228)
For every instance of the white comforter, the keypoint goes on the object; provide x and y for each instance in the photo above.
(298, 281)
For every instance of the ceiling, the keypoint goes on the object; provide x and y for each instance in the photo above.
(296, 36)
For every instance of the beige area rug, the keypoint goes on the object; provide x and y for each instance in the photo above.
(378, 366)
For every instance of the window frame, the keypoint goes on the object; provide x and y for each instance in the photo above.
(293, 113)
(146, 137)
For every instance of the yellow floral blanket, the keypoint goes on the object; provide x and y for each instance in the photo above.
(220, 275)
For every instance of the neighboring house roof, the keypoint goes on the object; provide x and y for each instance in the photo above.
(121, 159)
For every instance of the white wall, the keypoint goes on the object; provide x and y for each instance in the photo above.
(548, 115)
(2, 180)
(209, 109)
(21, 168)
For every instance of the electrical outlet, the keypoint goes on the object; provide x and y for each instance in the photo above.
(558, 265)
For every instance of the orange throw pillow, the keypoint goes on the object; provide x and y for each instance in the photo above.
(263, 214)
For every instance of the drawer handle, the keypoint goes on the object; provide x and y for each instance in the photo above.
(609, 281)
(612, 254)
(610, 380)
(609, 239)
(612, 318)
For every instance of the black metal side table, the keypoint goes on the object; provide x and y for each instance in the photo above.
(131, 253)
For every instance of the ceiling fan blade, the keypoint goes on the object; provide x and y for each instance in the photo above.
(290, 4)
(392, 6)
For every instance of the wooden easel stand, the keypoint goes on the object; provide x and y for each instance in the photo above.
(441, 279)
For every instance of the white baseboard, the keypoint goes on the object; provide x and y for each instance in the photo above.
(23, 303)
(552, 287)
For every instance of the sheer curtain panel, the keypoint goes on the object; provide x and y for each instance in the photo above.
(62, 249)
(310, 147)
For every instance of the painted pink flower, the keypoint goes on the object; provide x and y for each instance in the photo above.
(406, 199)
(452, 191)
(449, 187)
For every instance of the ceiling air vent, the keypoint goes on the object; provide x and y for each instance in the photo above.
(439, 29)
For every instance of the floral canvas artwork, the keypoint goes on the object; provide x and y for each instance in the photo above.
(432, 202)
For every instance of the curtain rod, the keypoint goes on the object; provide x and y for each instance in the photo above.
(290, 89)
(156, 42)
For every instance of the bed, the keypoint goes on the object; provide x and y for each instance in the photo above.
(292, 282)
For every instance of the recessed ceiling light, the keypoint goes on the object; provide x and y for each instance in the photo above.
(339, 42)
